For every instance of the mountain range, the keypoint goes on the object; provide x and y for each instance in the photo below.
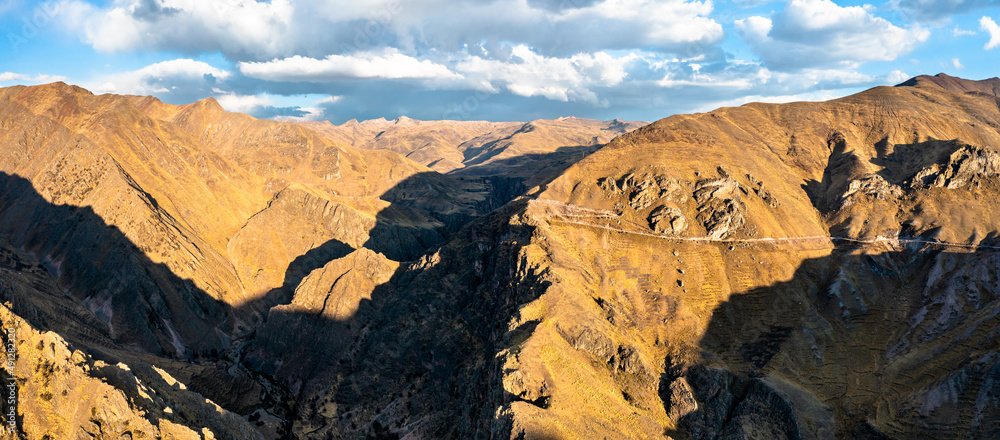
(802, 270)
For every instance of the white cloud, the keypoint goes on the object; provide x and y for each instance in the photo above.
(989, 26)
(388, 65)
(162, 77)
(896, 77)
(561, 79)
(821, 34)
(371, 58)
(650, 22)
(754, 29)
(37, 79)
(962, 32)
(233, 26)
(957, 64)
(243, 103)
(260, 31)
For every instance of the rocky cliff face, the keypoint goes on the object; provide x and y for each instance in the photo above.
(805, 270)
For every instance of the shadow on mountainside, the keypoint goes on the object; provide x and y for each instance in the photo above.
(535, 168)
(851, 340)
(415, 356)
(298, 269)
(428, 208)
(841, 164)
(854, 345)
(902, 167)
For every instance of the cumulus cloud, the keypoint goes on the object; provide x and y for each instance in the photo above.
(520, 71)
(561, 79)
(821, 34)
(896, 77)
(496, 59)
(989, 26)
(243, 103)
(232, 26)
(387, 65)
(248, 30)
(183, 78)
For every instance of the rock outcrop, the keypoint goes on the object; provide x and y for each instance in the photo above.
(968, 165)
(720, 209)
(668, 220)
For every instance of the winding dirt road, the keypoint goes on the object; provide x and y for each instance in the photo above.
(580, 212)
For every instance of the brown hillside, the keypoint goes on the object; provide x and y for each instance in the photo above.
(802, 270)
(177, 228)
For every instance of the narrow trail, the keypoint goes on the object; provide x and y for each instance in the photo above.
(580, 212)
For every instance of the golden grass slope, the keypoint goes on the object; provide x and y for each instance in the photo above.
(645, 333)
(180, 176)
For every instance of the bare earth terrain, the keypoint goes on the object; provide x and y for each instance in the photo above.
(801, 271)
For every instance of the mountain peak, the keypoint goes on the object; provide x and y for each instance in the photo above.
(209, 103)
(65, 88)
(990, 86)
(379, 121)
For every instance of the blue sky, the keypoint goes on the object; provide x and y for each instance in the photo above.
(499, 60)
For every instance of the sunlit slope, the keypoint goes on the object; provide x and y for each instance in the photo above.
(514, 149)
(772, 271)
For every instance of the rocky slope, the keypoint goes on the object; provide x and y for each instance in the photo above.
(175, 229)
(804, 270)
(773, 271)
(808, 270)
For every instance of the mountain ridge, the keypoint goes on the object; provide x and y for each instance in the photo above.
(475, 147)
(990, 86)
(801, 270)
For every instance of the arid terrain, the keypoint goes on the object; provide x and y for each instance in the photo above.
(811, 270)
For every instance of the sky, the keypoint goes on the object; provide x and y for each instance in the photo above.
(499, 60)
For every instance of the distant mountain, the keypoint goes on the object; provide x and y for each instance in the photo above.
(531, 150)
(801, 270)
